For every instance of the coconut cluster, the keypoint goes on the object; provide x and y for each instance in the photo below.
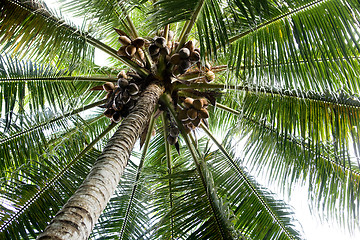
(185, 58)
(178, 60)
(122, 96)
(132, 49)
(193, 113)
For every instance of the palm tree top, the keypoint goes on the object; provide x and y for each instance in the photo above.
(281, 75)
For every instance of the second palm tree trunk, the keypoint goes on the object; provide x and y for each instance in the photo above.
(79, 215)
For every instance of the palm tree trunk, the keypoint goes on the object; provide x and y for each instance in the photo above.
(79, 215)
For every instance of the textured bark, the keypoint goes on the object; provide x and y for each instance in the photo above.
(79, 215)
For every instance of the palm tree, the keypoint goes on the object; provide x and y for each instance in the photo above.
(281, 76)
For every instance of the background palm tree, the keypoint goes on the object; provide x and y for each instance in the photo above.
(286, 83)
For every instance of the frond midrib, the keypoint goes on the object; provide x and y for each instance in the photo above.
(58, 79)
(262, 25)
(248, 183)
(73, 112)
(310, 95)
(300, 144)
(51, 181)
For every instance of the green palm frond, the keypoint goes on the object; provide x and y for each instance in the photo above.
(46, 36)
(44, 185)
(23, 143)
(196, 212)
(108, 14)
(332, 182)
(34, 87)
(333, 120)
(32, 29)
(248, 198)
(302, 49)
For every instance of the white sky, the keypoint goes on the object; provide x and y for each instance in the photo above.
(313, 229)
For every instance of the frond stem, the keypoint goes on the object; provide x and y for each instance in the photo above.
(75, 111)
(59, 79)
(302, 8)
(166, 100)
(169, 166)
(300, 144)
(250, 185)
(36, 9)
(289, 93)
(55, 178)
(190, 24)
(228, 109)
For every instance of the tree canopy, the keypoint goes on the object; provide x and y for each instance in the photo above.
(282, 76)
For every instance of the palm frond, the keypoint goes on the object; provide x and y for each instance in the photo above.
(30, 28)
(244, 192)
(48, 37)
(21, 144)
(292, 160)
(213, 220)
(319, 122)
(298, 49)
(43, 186)
(108, 14)
(31, 87)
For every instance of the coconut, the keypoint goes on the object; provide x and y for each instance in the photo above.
(108, 86)
(125, 97)
(116, 117)
(130, 50)
(192, 113)
(188, 102)
(140, 54)
(190, 45)
(122, 82)
(109, 112)
(171, 140)
(184, 66)
(197, 104)
(203, 113)
(204, 102)
(160, 42)
(174, 131)
(182, 115)
(133, 89)
(194, 56)
(175, 59)
(184, 53)
(138, 42)
(122, 74)
(153, 50)
(124, 40)
(121, 52)
(165, 51)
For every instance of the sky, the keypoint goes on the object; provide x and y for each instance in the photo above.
(312, 227)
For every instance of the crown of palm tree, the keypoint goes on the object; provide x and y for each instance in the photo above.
(280, 75)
